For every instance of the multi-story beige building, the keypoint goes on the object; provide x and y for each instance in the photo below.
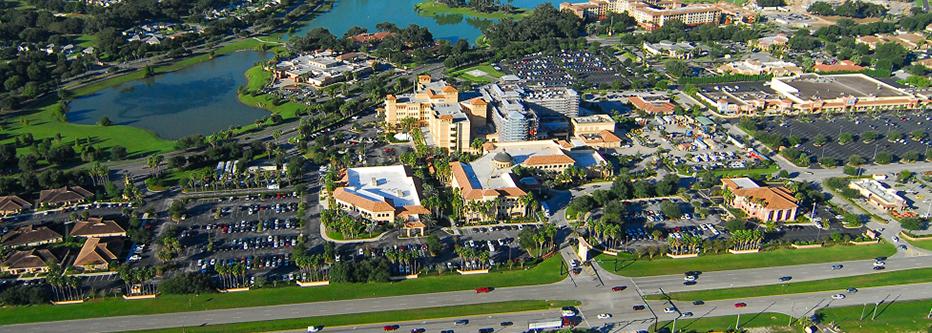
(765, 203)
(437, 105)
(597, 130)
(879, 194)
(649, 14)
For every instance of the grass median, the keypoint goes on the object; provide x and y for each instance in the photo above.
(909, 276)
(727, 323)
(549, 271)
(629, 265)
(395, 316)
(896, 316)
(925, 244)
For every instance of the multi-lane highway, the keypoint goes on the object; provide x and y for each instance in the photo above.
(593, 290)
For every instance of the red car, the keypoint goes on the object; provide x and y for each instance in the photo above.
(390, 327)
(741, 305)
(619, 288)
(483, 290)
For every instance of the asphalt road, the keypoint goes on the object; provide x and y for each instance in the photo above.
(592, 288)
(770, 275)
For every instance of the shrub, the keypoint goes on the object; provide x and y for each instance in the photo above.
(188, 283)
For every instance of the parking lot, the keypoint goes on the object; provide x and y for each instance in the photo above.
(258, 231)
(564, 68)
(832, 126)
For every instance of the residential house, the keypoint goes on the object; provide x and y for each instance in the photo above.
(30, 262)
(841, 66)
(765, 203)
(98, 253)
(12, 205)
(29, 235)
(654, 106)
(64, 196)
(97, 227)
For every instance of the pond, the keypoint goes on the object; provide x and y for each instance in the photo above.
(367, 13)
(200, 99)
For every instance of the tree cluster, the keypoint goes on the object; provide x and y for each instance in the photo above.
(856, 9)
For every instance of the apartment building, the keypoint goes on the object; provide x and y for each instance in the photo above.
(765, 203)
(436, 105)
(649, 14)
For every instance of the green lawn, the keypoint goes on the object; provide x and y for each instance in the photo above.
(42, 123)
(919, 275)
(374, 317)
(923, 244)
(491, 74)
(724, 323)
(628, 265)
(86, 40)
(434, 8)
(546, 272)
(40, 120)
(896, 317)
(256, 78)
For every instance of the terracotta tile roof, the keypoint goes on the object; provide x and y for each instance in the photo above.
(608, 136)
(448, 89)
(340, 193)
(841, 66)
(774, 197)
(97, 227)
(373, 37)
(390, 97)
(12, 203)
(28, 235)
(512, 192)
(97, 251)
(640, 103)
(414, 224)
(31, 259)
(548, 160)
(64, 195)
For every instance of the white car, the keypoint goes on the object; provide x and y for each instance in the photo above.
(690, 278)
(838, 296)
(604, 315)
(313, 329)
(879, 263)
(669, 310)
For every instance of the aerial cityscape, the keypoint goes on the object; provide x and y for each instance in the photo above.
(611, 166)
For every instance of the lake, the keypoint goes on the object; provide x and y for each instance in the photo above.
(367, 13)
(200, 99)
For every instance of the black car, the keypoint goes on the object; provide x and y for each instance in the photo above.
(486, 330)
(689, 283)
(507, 323)
(638, 307)
(698, 302)
(785, 278)
(879, 268)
